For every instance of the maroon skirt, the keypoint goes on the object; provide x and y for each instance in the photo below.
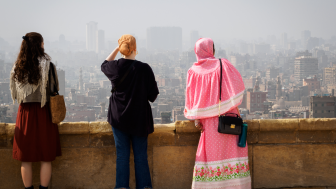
(36, 137)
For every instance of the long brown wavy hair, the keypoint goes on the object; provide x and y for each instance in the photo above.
(27, 66)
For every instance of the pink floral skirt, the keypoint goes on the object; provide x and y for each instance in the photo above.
(220, 163)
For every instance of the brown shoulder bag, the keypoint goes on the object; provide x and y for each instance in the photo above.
(57, 104)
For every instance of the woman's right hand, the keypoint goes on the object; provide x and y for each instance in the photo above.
(199, 125)
(113, 54)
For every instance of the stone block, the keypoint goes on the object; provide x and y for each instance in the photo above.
(250, 158)
(10, 131)
(74, 141)
(10, 171)
(308, 188)
(88, 168)
(279, 125)
(186, 127)
(162, 138)
(102, 140)
(253, 125)
(334, 135)
(74, 128)
(173, 166)
(2, 128)
(277, 166)
(100, 127)
(187, 139)
(3, 141)
(3, 135)
(252, 137)
(164, 127)
(84, 168)
(277, 137)
(315, 136)
(317, 124)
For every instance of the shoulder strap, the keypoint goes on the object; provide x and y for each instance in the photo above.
(220, 89)
(123, 78)
(220, 81)
(52, 68)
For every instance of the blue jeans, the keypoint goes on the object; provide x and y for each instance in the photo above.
(139, 144)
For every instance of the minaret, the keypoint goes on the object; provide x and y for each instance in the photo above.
(102, 109)
(81, 89)
(256, 86)
(278, 89)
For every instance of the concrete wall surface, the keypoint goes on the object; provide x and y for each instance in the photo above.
(285, 153)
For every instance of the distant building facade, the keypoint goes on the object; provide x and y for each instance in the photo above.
(312, 82)
(322, 107)
(91, 32)
(305, 66)
(100, 46)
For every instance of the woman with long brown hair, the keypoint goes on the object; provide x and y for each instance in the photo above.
(36, 138)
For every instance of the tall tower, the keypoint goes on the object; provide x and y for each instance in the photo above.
(61, 81)
(100, 41)
(305, 35)
(91, 32)
(278, 89)
(81, 84)
(284, 40)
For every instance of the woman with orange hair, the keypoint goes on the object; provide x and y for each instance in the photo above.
(129, 111)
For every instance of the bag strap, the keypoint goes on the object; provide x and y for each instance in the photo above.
(123, 78)
(220, 89)
(52, 68)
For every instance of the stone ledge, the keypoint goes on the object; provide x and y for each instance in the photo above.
(100, 127)
(279, 125)
(317, 124)
(2, 128)
(74, 128)
(186, 127)
(10, 129)
(254, 126)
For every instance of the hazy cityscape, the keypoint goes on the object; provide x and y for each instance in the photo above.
(285, 76)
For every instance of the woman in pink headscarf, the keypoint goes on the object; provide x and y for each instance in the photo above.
(220, 163)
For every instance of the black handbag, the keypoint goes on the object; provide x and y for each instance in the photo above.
(228, 124)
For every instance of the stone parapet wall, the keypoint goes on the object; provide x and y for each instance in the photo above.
(293, 153)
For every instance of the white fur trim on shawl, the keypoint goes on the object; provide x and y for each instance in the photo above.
(21, 91)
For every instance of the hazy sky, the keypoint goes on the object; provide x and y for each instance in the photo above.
(221, 19)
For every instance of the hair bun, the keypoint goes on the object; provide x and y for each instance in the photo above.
(124, 49)
(25, 38)
(127, 44)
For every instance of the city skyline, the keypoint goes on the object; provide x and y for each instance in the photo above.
(221, 20)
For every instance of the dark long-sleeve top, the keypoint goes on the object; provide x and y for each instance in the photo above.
(129, 108)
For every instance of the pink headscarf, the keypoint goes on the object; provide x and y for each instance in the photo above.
(202, 93)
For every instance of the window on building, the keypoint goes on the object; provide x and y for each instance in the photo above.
(315, 111)
(328, 111)
(322, 111)
(315, 105)
(322, 104)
